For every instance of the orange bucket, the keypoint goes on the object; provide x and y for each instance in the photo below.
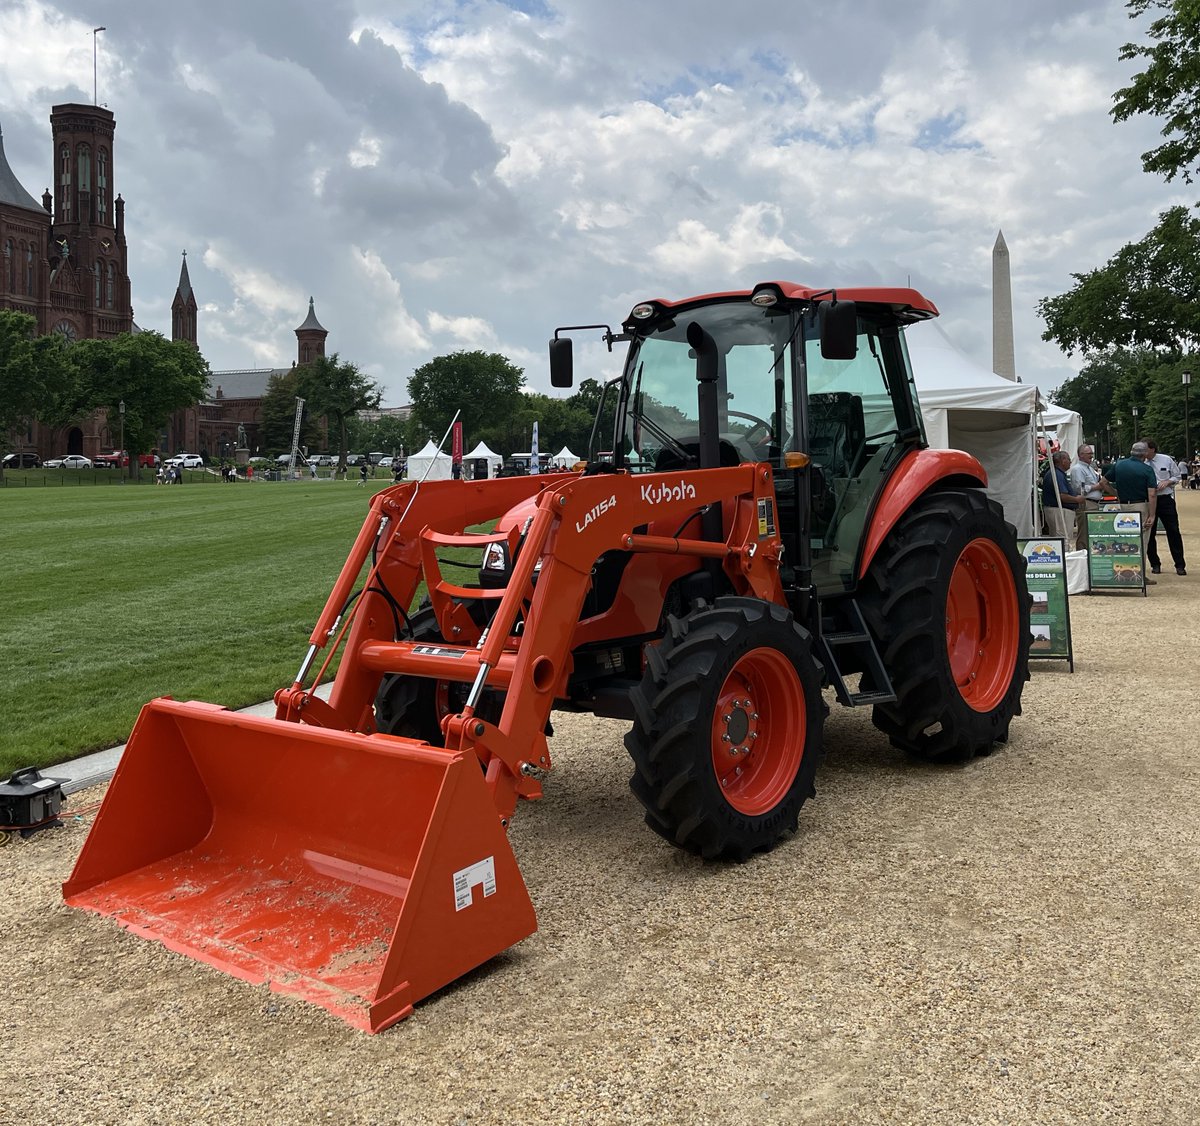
(359, 872)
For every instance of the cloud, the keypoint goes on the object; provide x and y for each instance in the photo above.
(449, 174)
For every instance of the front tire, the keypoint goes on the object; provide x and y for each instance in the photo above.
(728, 730)
(945, 600)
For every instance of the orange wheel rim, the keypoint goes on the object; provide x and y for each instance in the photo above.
(758, 731)
(981, 621)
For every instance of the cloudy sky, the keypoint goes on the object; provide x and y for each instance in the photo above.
(443, 175)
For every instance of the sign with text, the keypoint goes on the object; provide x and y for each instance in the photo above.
(1116, 560)
(1050, 612)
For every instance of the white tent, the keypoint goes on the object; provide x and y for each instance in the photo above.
(481, 452)
(1063, 426)
(969, 408)
(429, 465)
(564, 457)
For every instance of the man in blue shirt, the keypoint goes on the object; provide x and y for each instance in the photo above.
(1137, 488)
(1059, 507)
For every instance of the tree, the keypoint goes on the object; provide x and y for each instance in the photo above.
(154, 377)
(1147, 295)
(336, 388)
(279, 414)
(1169, 85)
(34, 373)
(483, 386)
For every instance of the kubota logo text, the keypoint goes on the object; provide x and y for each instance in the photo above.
(660, 494)
(595, 512)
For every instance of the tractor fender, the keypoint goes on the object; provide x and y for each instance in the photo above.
(917, 473)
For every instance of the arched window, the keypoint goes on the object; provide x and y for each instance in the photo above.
(96, 268)
(10, 267)
(108, 293)
(64, 183)
(83, 167)
(29, 271)
(304, 353)
(102, 187)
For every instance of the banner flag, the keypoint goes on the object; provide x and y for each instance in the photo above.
(533, 451)
(456, 443)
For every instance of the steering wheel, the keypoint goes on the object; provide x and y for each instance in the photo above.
(759, 424)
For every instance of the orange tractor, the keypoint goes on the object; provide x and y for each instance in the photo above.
(770, 523)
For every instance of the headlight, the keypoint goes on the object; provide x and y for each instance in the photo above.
(495, 558)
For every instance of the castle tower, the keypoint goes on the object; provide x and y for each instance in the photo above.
(183, 308)
(1003, 356)
(310, 338)
(90, 274)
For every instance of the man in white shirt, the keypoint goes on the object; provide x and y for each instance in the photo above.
(1167, 474)
(1090, 485)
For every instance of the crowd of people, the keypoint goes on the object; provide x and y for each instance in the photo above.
(1144, 482)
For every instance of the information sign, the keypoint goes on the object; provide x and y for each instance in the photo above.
(1116, 557)
(1050, 613)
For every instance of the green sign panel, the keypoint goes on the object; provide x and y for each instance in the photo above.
(1115, 557)
(1050, 613)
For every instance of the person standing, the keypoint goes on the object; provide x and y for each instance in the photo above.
(1137, 488)
(1058, 505)
(1090, 485)
(1167, 477)
(362, 474)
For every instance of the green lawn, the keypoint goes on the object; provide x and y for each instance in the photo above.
(114, 595)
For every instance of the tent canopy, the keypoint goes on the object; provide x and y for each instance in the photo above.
(429, 463)
(969, 408)
(565, 456)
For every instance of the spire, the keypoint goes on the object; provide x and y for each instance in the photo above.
(1003, 353)
(11, 191)
(183, 308)
(310, 338)
(311, 324)
(185, 283)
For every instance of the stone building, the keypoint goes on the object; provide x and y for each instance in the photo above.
(65, 261)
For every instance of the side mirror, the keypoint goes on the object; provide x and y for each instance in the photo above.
(839, 330)
(562, 362)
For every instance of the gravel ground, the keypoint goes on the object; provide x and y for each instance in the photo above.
(1014, 941)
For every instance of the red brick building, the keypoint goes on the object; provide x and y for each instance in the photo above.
(65, 261)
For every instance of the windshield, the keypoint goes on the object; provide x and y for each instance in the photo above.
(756, 406)
(851, 406)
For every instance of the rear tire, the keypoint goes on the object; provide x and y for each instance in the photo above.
(945, 599)
(728, 728)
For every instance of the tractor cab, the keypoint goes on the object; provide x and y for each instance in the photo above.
(817, 384)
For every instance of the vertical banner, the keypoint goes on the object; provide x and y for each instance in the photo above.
(456, 450)
(1115, 557)
(533, 451)
(1049, 612)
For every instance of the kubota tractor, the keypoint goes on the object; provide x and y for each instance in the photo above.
(769, 522)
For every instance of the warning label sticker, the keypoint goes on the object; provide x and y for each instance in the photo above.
(766, 517)
(482, 872)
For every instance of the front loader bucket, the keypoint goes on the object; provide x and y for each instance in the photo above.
(360, 872)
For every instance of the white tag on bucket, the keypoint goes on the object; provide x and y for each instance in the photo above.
(481, 872)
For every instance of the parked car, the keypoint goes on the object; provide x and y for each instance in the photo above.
(70, 461)
(187, 461)
(385, 462)
(353, 459)
(112, 460)
(22, 461)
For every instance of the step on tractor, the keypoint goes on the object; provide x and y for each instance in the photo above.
(766, 522)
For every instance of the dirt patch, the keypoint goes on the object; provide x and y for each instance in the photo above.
(1010, 941)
